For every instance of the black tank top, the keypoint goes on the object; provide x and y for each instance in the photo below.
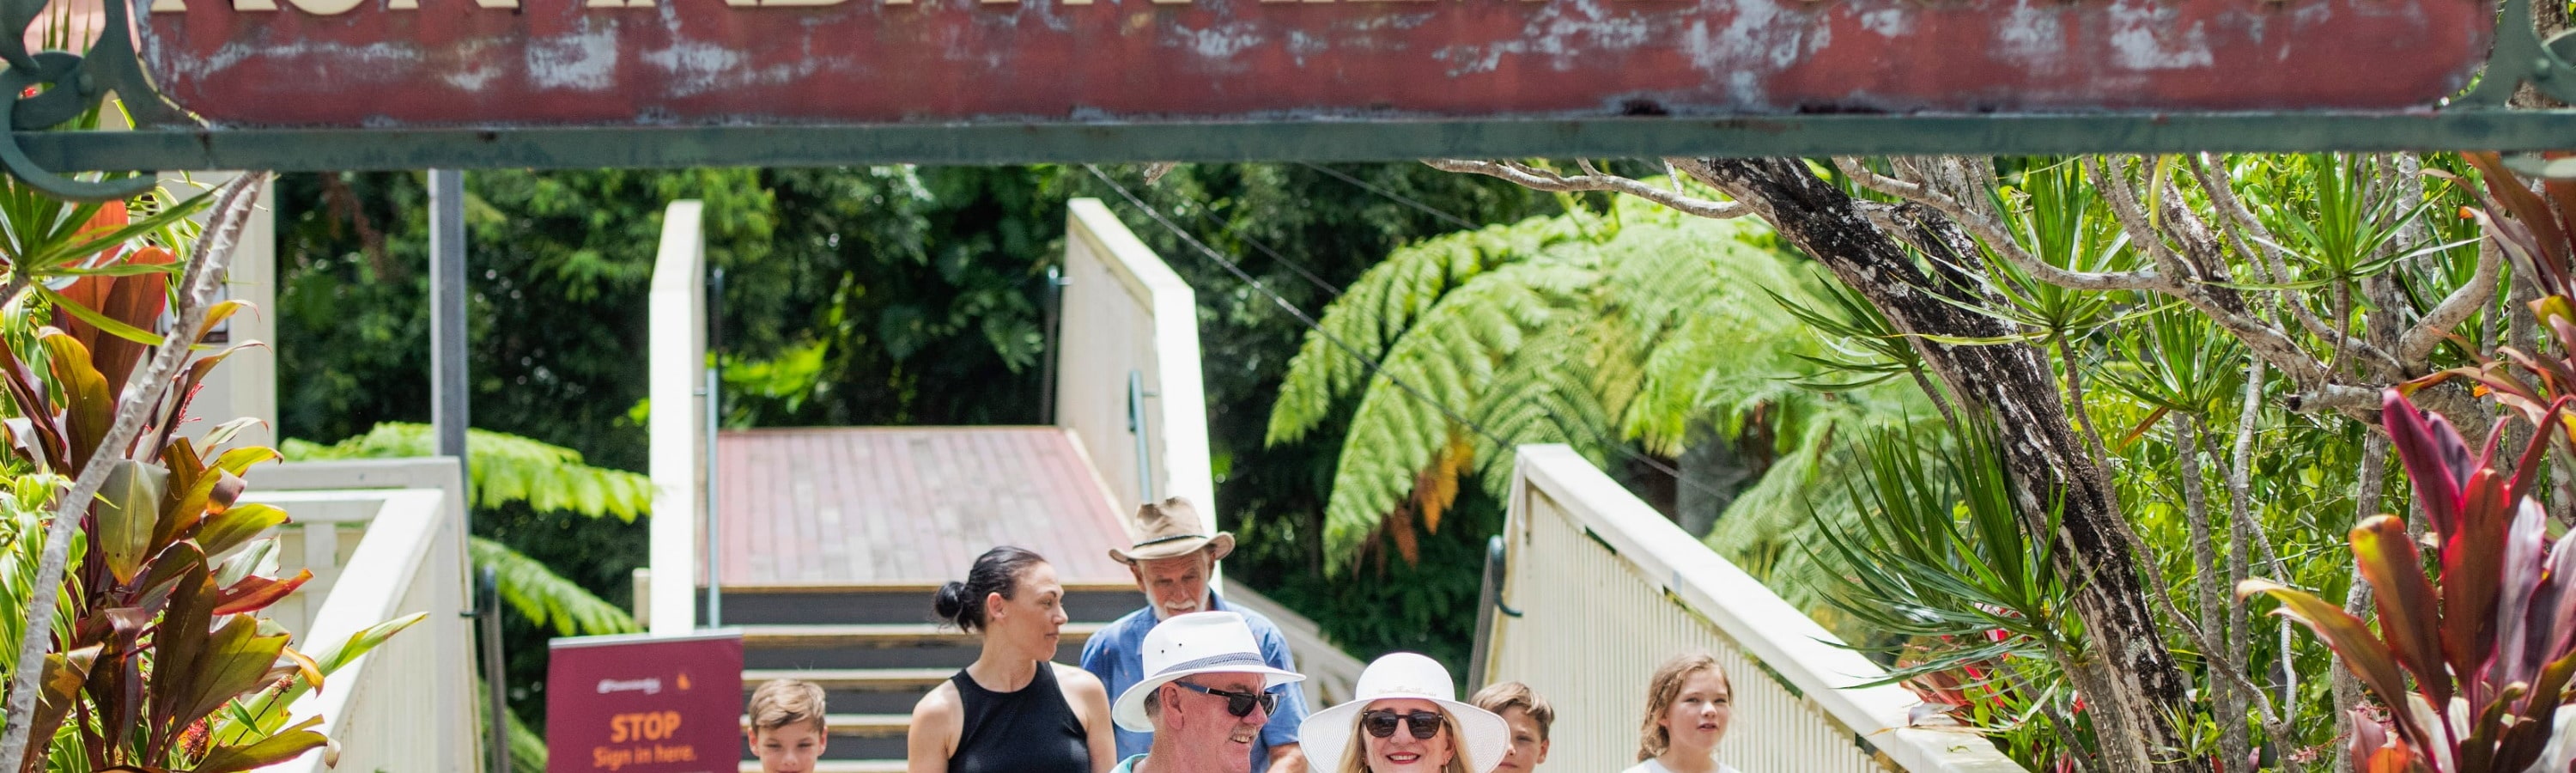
(1033, 730)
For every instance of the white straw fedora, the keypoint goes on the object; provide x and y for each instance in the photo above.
(1195, 643)
(1482, 740)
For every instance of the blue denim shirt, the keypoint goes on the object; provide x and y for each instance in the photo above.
(1117, 655)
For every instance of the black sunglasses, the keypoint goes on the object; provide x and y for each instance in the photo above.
(1238, 703)
(1381, 723)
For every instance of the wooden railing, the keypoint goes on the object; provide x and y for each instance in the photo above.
(378, 554)
(1606, 589)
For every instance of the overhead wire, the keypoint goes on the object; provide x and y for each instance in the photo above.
(1393, 196)
(1374, 367)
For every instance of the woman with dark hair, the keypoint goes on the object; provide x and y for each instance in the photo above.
(1012, 709)
(1688, 703)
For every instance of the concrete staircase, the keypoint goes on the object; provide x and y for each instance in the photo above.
(874, 651)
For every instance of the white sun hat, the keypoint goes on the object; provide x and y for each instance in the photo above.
(1482, 740)
(1195, 643)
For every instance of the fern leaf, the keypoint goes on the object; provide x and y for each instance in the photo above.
(504, 468)
(1386, 301)
(547, 598)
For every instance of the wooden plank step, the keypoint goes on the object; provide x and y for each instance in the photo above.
(883, 635)
(839, 766)
(860, 725)
(853, 679)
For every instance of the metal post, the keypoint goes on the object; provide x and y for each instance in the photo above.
(488, 610)
(1136, 426)
(715, 414)
(1052, 300)
(1489, 598)
(447, 409)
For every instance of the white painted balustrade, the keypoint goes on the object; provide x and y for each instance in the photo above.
(384, 539)
(1608, 589)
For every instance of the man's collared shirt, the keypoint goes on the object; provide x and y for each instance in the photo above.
(1117, 655)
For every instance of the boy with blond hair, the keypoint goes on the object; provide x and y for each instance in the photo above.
(787, 731)
(1529, 717)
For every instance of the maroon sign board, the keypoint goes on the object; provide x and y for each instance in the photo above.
(499, 63)
(644, 704)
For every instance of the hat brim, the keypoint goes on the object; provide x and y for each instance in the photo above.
(1129, 710)
(1218, 546)
(1327, 735)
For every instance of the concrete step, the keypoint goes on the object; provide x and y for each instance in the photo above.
(839, 766)
(859, 736)
(891, 603)
(879, 645)
(859, 690)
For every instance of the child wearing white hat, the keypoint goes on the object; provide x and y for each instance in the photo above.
(1406, 718)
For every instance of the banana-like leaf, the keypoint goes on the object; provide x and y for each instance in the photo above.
(88, 408)
(222, 531)
(129, 507)
(2409, 621)
(2349, 638)
(284, 745)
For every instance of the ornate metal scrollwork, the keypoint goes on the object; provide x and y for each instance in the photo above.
(66, 86)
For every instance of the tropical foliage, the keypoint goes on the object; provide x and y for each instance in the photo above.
(159, 657)
(1639, 331)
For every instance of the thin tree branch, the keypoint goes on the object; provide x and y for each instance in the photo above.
(1537, 179)
(2418, 343)
(1997, 239)
(197, 288)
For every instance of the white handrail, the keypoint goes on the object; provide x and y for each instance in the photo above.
(1608, 588)
(408, 705)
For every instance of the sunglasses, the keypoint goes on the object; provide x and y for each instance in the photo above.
(1381, 723)
(1238, 703)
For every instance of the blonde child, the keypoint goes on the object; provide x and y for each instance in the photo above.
(787, 731)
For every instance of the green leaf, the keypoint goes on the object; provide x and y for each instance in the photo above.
(92, 316)
(505, 469)
(129, 506)
(2362, 653)
(546, 598)
(2409, 618)
(281, 746)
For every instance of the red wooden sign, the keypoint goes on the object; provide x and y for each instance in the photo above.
(383, 63)
(639, 704)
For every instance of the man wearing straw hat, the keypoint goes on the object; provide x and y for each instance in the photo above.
(1205, 695)
(1173, 554)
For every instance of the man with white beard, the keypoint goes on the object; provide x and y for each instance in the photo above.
(1173, 555)
(1205, 695)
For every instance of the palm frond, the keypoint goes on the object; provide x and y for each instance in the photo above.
(503, 468)
(546, 598)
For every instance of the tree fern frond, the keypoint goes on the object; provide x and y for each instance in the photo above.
(1449, 355)
(1386, 301)
(504, 468)
(547, 598)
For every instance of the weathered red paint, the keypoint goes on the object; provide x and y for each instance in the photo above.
(555, 62)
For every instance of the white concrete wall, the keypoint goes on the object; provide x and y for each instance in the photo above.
(1124, 310)
(677, 462)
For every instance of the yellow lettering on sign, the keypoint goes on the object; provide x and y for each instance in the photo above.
(648, 726)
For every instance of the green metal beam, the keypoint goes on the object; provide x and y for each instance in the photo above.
(1802, 135)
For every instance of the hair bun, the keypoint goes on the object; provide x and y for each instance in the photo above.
(950, 601)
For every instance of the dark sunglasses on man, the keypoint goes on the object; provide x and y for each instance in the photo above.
(1381, 723)
(1238, 703)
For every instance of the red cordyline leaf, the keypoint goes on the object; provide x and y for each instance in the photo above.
(2437, 460)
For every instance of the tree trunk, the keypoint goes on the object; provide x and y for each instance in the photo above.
(2131, 685)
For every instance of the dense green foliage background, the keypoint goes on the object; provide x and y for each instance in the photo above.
(885, 295)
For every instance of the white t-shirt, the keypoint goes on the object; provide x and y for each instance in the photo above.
(1651, 766)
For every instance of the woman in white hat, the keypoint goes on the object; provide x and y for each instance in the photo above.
(1406, 718)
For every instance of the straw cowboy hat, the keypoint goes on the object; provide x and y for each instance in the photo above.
(1482, 740)
(1195, 643)
(1170, 529)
